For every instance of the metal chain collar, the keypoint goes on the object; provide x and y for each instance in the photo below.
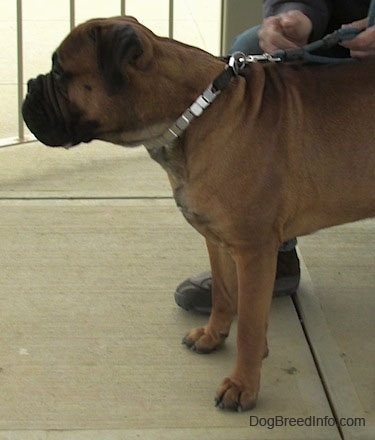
(236, 62)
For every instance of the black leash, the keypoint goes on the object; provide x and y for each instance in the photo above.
(327, 42)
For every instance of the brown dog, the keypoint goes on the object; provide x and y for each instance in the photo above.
(283, 151)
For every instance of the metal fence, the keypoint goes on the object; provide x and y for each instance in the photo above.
(21, 136)
(232, 12)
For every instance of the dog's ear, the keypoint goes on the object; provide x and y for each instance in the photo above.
(117, 46)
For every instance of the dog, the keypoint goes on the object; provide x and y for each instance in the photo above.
(282, 151)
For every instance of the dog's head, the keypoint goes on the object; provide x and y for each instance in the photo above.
(114, 79)
(83, 98)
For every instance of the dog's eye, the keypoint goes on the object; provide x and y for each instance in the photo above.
(60, 75)
(57, 73)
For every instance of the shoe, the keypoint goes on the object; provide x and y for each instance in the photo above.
(195, 292)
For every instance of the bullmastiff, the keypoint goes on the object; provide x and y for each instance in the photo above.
(282, 151)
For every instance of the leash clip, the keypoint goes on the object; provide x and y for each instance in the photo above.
(265, 57)
(237, 62)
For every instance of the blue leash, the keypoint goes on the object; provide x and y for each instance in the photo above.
(330, 40)
(371, 14)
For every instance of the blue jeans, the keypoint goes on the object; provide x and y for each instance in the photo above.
(248, 43)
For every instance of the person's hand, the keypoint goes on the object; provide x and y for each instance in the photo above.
(284, 31)
(363, 45)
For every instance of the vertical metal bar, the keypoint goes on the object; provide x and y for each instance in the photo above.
(21, 133)
(123, 7)
(238, 15)
(72, 14)
(222, 27)
(171, 14)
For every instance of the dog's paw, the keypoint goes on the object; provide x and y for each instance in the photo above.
(202, 341)
(235, 396)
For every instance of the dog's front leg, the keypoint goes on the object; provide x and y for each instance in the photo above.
(256, 276)
(224, 303)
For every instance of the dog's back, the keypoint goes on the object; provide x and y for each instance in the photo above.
(316, 126)
(332, 146)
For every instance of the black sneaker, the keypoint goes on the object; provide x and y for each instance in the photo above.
(195, 292)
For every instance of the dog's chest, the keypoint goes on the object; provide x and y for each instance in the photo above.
(198, 215)
(188, 198)
(173, 162)
(192, 213)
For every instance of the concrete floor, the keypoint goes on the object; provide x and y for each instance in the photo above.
(92, 249)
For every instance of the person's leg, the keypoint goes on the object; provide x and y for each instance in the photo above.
(195, 293)
(247, 42)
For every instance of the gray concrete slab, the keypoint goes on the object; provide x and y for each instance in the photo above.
(89, 332)
(337, 301)
(95, 170)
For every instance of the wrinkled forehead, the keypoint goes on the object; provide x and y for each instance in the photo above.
(81, 40)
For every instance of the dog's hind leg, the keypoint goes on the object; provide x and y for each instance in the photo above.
(256, 275)
(224, 303)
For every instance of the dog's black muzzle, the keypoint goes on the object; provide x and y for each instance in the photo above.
(51, 118)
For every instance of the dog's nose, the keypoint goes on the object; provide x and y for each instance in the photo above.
(31, 85)
(35, 84)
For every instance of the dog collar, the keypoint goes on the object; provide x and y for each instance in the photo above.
(235, 64)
